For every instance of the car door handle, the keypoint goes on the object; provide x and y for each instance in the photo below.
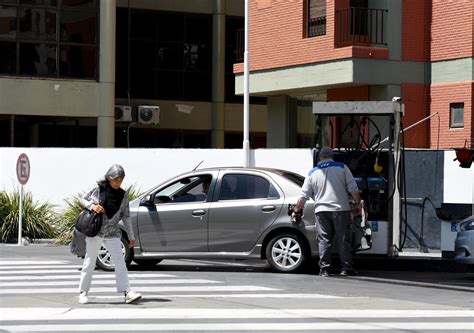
(268, 209)
(198, 213)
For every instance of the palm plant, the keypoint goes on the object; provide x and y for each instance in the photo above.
(66, 219)
(37, 219)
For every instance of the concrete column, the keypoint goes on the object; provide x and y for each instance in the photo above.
(281, 122)
(106, 114)
(218, 73)
(393, 28)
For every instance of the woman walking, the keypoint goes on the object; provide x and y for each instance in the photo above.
(110, 200)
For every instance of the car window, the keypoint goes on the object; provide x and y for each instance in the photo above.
(188, 189)
(240, 186)
(293, 177)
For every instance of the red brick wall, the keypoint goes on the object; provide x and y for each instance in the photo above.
(415, 97)
(276, 37)
(416, 30)
(441, 96)
(452, 29)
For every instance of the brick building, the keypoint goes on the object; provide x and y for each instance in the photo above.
(364, 50)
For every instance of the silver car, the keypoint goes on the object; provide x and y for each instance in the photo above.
(222, 213)
(464, 244)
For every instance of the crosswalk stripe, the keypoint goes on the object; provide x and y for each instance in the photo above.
(105, 282)
(280, 326)
(63, 313)
(33, 267)
(140, 289)
(266, 295)
(76, 276)
(39, 271)
(27, 262)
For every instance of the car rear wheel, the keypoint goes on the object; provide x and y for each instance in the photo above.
(286, 253)
(104, 259)
(147, 263)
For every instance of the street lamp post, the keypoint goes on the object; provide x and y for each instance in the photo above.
(246, 142)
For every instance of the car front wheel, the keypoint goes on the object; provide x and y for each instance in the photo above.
(104, 259)
(286, 253)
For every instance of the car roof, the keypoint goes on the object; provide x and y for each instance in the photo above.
(273, 170)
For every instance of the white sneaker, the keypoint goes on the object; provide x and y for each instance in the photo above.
(132, 296)
(83, 299)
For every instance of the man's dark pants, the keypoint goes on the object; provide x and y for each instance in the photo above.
(334, 226)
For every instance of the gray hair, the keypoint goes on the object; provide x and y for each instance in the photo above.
(115, 171)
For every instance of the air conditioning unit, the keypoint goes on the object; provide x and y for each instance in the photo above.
(123, 113)
(148, 114)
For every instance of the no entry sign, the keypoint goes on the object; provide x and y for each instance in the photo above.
(23, 168)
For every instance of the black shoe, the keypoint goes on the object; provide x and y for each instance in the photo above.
(324, 273)
(348, 273)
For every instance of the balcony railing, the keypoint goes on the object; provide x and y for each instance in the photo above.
(361, 26)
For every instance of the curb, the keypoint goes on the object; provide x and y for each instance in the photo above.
(412, 283)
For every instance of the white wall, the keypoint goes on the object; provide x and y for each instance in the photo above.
(60, 173)
(458, 182)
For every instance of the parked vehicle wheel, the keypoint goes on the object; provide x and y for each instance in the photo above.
(104, 259)
(286, 253)
(147, 263)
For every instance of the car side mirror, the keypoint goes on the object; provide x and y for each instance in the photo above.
(147, 201)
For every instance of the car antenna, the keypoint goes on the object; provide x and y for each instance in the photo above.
(198, 165)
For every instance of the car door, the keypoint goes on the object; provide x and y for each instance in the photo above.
(175, 219)
(246, 204)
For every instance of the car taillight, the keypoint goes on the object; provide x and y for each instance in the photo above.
(468, 225)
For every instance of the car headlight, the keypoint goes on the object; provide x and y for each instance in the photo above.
(468, 225)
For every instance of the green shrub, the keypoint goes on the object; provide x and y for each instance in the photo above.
(65, 221)
(37, 219)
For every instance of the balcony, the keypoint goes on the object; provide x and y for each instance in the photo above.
(361, 26)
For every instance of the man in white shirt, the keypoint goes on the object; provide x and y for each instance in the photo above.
(329, 184)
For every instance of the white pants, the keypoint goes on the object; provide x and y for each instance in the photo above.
(93, 245)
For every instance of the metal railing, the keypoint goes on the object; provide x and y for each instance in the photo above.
(361, 26)
(317, 26)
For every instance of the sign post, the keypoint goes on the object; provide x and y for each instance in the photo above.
(23, 174)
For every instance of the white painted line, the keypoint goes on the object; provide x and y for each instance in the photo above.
(97, 275)
(29, 314)
(191, 327)
(40, 271)
(283, 296)
(55, 291)
(32, 267)
(25, 262)
(103, 282)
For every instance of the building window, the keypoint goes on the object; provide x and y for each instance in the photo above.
(49, 38)
(456, 115)
(234, 28)
(170, 55)
(316, 18)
